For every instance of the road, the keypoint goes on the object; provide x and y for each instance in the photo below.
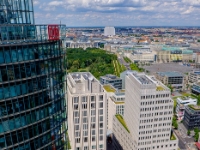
(182, 142)
(122, 61)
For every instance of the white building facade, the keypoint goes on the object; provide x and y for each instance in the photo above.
(115, 106)
(147, 115)
(181, 103)
(109, 31)
(86, 112)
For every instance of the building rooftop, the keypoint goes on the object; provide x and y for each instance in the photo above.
(142, 78)
(170, 74)
(78, 77)
(110, 77)
(194, 107)
(149, 80)
(196, 72)
(186, 98)
(109, 88)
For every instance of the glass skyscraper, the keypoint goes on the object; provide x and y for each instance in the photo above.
(32, 75)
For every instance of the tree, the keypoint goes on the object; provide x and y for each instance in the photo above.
(76, 64)
(82, 65)
(101, 45)
(196, 135)
(188, 133)
(198, 100)
(174, 122)
(170, 87)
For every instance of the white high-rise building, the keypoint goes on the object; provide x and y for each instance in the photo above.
(147, 120)
(86, 112)
(109, 31)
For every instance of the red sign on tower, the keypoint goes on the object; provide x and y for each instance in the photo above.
(53, 32)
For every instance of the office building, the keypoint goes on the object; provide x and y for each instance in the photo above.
(175, 79)
(109, 31)
(192, 117)
(147, 119)
(115, 106)
(86, 112)
(113, 80)
(196, 88)
(32, 102)
(181, 103)
(174, 54)
(194, 76)
(123, 76)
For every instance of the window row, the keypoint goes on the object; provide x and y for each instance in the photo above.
(31, 52)
(85, 106)
(84, 99)
(21, 71)
(16, 122)
(17, 137)
(28, 102)
(154, 96)
(29, 86)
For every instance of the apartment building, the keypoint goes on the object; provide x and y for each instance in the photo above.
(86, 112)
(147, 119)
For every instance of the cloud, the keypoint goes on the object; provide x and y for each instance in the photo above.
(118, 12)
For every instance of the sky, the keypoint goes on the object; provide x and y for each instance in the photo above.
(75, 13)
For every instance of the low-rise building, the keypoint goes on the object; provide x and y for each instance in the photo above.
(194, 77)
(192, 117)
(142, 57)
(196, 88)
(113, 80)
(174, 54)
(175, 79)
(181, 103)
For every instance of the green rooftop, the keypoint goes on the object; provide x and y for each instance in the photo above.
(122, 121)
(172, 137)
(195, 107)
(119, 102)
(108, 88)
(159, 88)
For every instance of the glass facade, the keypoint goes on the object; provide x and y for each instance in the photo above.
(16, 12)
(32, 95)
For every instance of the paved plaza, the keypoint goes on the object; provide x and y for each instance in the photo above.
(168, 67)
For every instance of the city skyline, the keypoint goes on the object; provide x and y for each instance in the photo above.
(118, 12)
